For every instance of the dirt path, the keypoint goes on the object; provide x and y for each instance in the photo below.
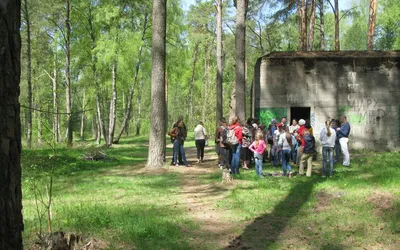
(216, 229)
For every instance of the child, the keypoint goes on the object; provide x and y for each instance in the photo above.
(258, 147)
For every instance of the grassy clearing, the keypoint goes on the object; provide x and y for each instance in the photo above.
(117, 201)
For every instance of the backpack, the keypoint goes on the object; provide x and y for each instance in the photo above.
(229, 137)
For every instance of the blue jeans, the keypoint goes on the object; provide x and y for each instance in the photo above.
(258, 161)
(235, 158)
(277, 156)
(285, 161)
(179, 147)
(327, 152)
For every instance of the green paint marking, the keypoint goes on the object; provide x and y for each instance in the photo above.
(267, 114)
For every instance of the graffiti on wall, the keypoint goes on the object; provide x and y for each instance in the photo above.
(362, 111)
(267, 114)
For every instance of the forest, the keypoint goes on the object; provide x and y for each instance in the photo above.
(86, 65)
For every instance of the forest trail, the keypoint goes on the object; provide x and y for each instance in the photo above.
(216, 229)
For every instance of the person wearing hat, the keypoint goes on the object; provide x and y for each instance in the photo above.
(200, 136)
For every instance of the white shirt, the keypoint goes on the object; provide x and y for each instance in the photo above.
(293, 128)
(283, 143)
(200, 133)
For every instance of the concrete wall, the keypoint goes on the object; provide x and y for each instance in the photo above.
(364, 86)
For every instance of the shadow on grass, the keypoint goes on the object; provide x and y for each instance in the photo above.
(266, 229)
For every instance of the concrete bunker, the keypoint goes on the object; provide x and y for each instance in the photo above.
(364, 86)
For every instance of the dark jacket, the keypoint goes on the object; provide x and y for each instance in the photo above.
(344, 130)
(309, 147)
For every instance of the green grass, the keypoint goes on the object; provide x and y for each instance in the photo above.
(115, 201)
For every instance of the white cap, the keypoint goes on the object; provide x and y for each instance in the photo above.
(302, 122)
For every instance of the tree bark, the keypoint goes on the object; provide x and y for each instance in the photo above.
(158, 90)
(336, 13)
(101, 126)
(219, 111)
(68, 74)
(240, 66)
(29, 74)
(322, 23)
(11, 222)
(113, 104)
(312, 24)
(371, 24)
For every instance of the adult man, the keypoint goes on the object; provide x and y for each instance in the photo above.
(343, 134)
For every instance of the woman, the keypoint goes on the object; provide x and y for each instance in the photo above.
(235, 126)
(178, 144)
(200, 136)
(327, 137)
(245, 155)
(285, 143)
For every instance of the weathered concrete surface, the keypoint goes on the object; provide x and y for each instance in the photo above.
(364, 86)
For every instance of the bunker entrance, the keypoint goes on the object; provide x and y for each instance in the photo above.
(299, 113)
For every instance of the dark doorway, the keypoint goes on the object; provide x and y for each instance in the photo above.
(299, 113)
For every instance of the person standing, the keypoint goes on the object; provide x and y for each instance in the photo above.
(200, 136)
(258, 147)
(299, 137)
(343, 133)
(285, 144)
(245, 156)
(235, 126)
(224, 149)
(184, 135)
(308, 148)
(327, 137)
(178, 144)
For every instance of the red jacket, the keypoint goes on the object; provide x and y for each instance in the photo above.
(300, 131)
(238, 131)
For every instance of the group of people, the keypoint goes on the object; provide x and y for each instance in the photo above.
(279, 143)
(282, 144)
(178, 135)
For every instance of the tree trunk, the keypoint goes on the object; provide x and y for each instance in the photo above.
(139, 105)
(113, 104)
(304, 25)
(68, 74)
(312, 24)
(337, 40)
(158, 101)
(101, 126)
(240, 65)
(11, 222)
(29, 74)
(219, 111)
(56, 132)
(371, 24)
(189, 100)
(128, 111)
(322, 23)
(38, 116)
(83, 117)
(300, 21)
